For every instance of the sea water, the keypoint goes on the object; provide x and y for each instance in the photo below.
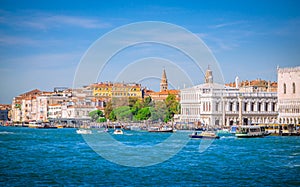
(56, 157)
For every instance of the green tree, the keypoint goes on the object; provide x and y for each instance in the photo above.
(147, 101)
(112, 116)
(143, 114)
(158, 112)
(108, 109)
(136, 107)
(101, 120)
(123, 113)
(96, 114)
(172, 106)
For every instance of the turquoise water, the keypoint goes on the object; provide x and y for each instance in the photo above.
(46, 157)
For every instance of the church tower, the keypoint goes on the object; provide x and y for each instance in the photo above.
(164, 82)
(208, 76)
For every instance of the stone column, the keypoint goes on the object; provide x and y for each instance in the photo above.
(240, 110)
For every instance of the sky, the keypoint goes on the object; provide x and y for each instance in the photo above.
(43, 42)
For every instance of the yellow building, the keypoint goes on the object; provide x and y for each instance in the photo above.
(102, 89)
(108, 90)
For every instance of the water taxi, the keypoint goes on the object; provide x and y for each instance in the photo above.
(249, 131)
(161, 129)
(204, 135)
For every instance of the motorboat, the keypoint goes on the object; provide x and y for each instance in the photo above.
(249, 131)
(204, 135)
(83, 131)
(161, 129)
(118, 131)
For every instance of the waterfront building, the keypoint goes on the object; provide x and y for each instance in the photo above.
(289, 95)
(4, 113)
(257, 85)
(218, 105)
(108, 90)
(21, 106)
(54, 111)
(42, 106)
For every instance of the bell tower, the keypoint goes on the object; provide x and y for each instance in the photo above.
(164, 81)
(208, 76)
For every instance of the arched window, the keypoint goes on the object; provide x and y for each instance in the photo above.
(284, 88)
(294, 88)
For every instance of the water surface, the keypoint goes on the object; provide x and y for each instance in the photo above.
(34, 157)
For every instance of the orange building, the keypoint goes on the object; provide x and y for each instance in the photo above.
(257, 85)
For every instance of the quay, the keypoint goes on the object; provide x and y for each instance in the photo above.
(273, 129)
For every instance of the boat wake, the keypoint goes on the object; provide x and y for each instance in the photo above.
(6, 132)
(227, 137)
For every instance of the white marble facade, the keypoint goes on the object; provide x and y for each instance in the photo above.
(289, 95)
(219, 105)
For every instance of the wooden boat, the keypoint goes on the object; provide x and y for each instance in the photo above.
(249, 131)
(204, 135)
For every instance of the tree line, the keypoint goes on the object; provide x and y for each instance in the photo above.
(135, 109)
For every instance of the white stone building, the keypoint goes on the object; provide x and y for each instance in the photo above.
(289, 95)
(218, 105)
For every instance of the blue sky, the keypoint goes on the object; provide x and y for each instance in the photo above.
(42, 42)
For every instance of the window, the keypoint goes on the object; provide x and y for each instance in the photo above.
(217, 107)
(266, 106)
(237, 107)
(252, 107)
(284, 88)
(273, 107)
(245, 107)
(294, 88)
(230, 106)
(259, 107)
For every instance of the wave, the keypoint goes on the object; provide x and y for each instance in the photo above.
(6, 132)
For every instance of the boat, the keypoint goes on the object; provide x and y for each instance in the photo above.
(47, 126)
(233, 129)
(161, 129)
(83, 131)
(204, 135)
(249, 131)
(118, 131)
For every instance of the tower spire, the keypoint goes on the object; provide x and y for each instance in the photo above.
(208, 76)
(164, 81)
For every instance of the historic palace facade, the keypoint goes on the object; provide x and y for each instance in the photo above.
(217, 105)
(289, 95)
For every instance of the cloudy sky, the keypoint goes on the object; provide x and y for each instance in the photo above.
(43, 42)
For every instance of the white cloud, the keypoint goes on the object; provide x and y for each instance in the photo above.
(42, 20)
(221, 25)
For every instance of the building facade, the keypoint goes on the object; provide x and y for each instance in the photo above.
(220, 105)
(289, 95)
(108, 90)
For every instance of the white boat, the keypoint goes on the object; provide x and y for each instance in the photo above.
(118, 131)
(83, 131)
(249, 131)
(161, 129)
(204, 135)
